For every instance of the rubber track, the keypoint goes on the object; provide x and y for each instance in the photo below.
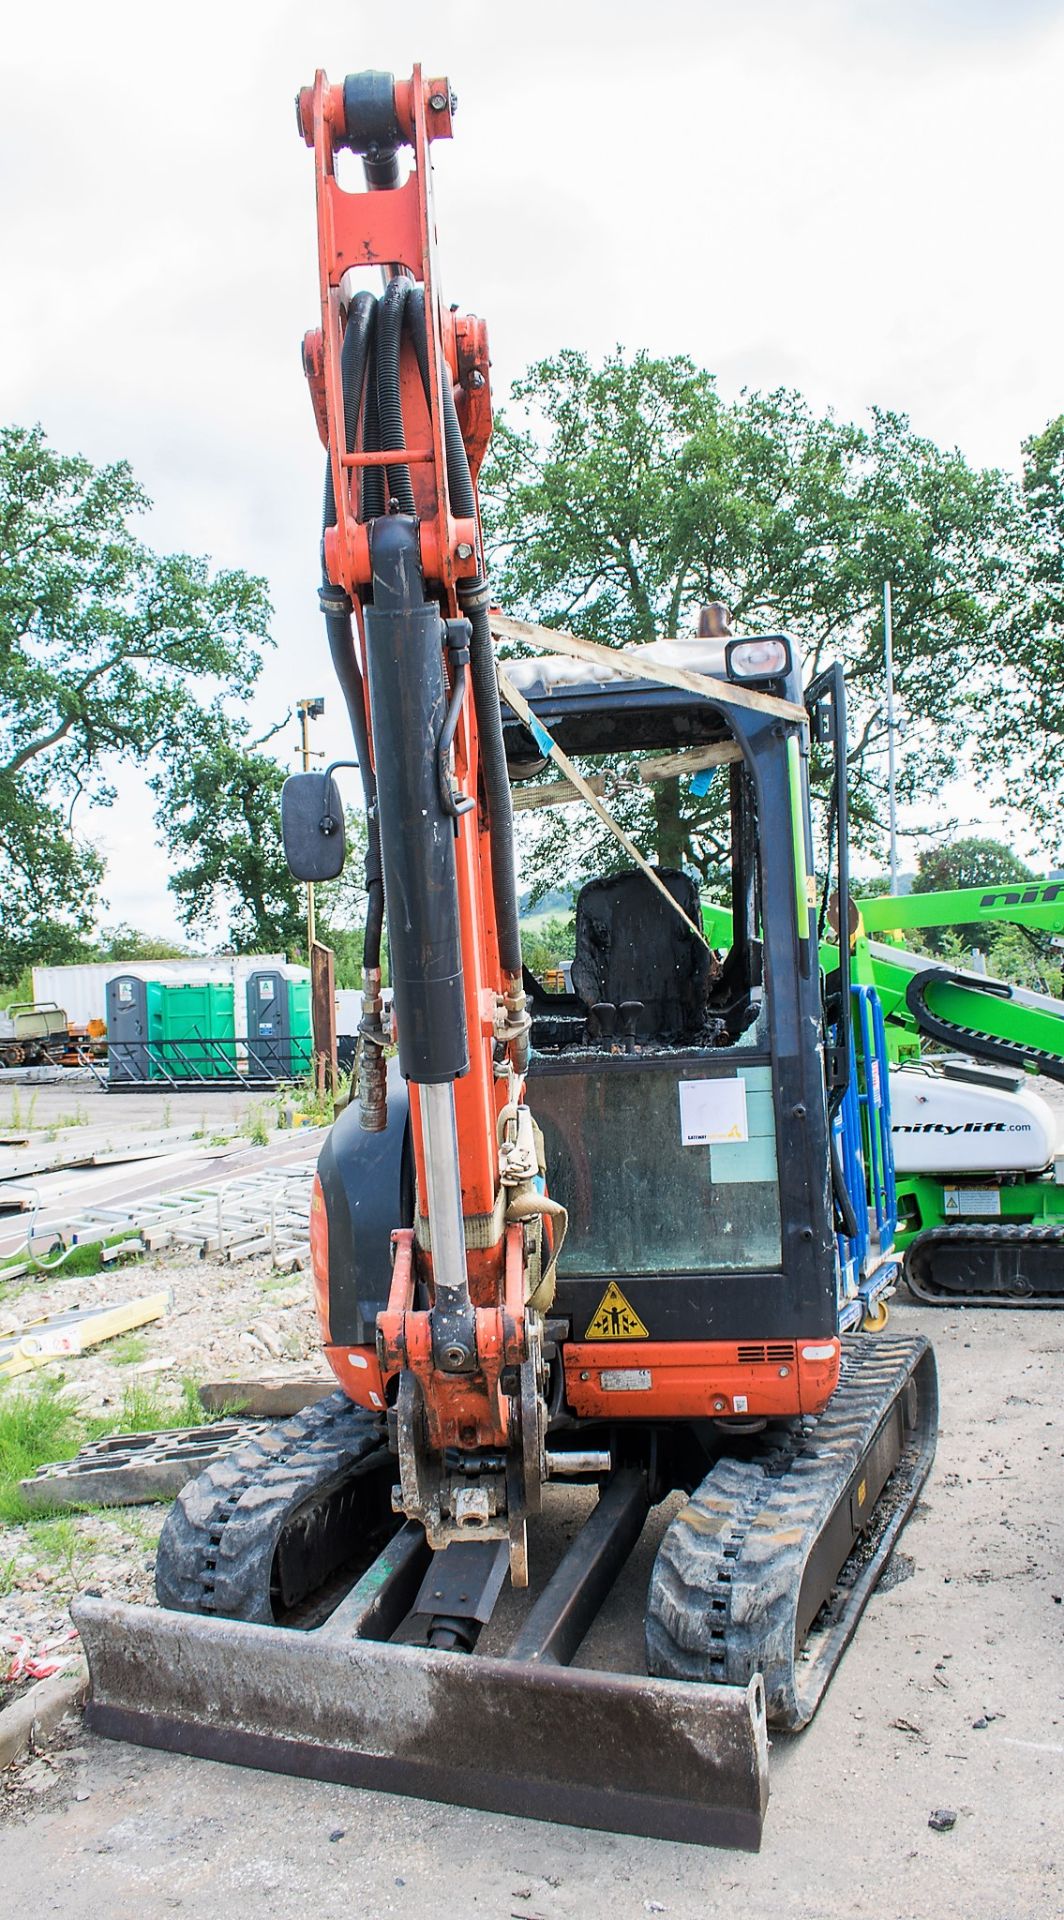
(988, 1241)
(217, 1546)
(725, 1587)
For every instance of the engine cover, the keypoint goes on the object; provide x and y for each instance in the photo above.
(943, 1125)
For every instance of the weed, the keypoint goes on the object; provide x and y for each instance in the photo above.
(19, 1121)
(317, 1108)
(8, 1576)
(60, 1540)
(255, 1127)
(128, 1350)
(79, 1118)
(141, 1527)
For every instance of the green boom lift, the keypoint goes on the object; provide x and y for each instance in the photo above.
(977, 1180)
(978, 1167)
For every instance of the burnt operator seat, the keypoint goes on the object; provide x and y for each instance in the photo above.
(636, 971)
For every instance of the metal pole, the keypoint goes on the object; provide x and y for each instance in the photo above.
(892, 771)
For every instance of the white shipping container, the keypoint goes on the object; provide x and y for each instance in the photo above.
(82, 990)
(348, 1009)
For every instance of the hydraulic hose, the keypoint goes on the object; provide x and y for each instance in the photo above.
(336, 607)
(379, 346)
(371, 491)
(844, 1207)
(474, 600)
(390, 312)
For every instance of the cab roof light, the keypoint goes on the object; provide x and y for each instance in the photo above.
(757, 659)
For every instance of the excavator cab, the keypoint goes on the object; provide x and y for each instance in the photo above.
(680, 1086)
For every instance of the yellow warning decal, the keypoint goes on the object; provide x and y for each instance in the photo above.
(615, 1319)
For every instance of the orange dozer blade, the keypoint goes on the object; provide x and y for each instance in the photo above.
(663, 1758)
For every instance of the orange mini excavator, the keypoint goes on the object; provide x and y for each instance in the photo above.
(576, 1252)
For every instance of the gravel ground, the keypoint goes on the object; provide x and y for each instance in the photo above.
(950, 1697)
(227, 1320)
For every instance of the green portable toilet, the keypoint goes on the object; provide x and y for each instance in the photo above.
(198, 1031)
(300, 1026)
(280, 1042)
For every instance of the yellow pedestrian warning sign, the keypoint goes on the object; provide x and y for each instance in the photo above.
(615, 1319)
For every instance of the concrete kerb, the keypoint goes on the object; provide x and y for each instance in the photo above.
(25, 1721)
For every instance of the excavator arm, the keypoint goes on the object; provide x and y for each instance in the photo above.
(399, 385)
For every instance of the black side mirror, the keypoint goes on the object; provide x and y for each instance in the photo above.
(312, 826)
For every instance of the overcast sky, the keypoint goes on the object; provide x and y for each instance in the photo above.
(857, 198)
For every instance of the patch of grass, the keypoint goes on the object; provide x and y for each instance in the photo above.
(128, 1350)
(276, 1282)
(192, 1412)
(142, 1409)
(79, 1118)
(36, 1426)
(81, 1262)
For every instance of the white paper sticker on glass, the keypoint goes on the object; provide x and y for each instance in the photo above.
(712, 1111)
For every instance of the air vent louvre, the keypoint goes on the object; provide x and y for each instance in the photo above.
(779, 1352)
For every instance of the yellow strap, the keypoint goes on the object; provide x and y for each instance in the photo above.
(524, 712)
(637, 667)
